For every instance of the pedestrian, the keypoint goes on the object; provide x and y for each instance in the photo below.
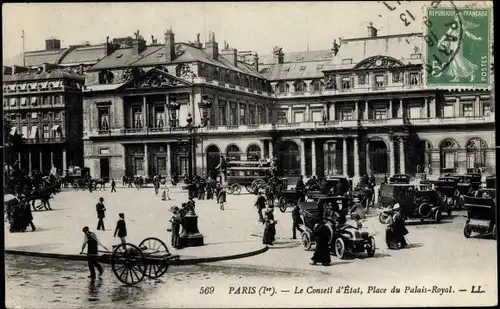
(113, 185)
(124, 180)
(89, 181)
(260, 203)
(297, 221)
(100, 213)
(221, 198)
(164, 190)
(218, 187)
(92, 244)
(28, 215)
(176, 225)
(156, 184)
(396, 229)
(121, 228)
(322, 250)
(269, 235)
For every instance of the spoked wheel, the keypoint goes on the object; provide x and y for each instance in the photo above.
(257, 183)
(235, 189)
(250, 189)
(128, 262)
(306, 241)
(340, 248)
(282, 203)
(382, 217)
(467, 230)
(371, 249)
(153, 247)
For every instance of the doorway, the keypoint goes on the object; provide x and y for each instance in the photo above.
(104, 167)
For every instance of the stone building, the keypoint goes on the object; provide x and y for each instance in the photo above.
(44, 105)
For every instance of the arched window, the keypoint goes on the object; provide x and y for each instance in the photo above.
(233, 152)
(300, 86)
(317, 85)
(253, 153)
(449, 155)
(282, 87)
(475, 152)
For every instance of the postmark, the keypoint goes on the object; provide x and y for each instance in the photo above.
(457, 45)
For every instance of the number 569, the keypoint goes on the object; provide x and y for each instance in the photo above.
(207, 290)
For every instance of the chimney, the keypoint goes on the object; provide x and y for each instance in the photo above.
(211, 47)
(7, 70)
(230, 54)
(281, 58)
(169, 46)
(138, 46)
(372, 31)
(256, 62)
(18, 69)
(52, 44)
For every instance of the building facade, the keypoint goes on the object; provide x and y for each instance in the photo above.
(44, 106)
(360, 107)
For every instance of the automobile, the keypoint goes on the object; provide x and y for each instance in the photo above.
(330, 182)
(290, 197)
(416, 203)
(491, 182)
(400, 178)
(481, 213)
(449, 190)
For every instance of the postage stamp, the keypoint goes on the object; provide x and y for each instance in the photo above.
(457, 44)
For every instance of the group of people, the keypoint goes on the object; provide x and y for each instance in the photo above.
(177, 221)
(19, 216)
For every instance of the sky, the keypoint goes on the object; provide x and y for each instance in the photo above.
(255, 26)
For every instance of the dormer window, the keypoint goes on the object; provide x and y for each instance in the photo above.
(317, 85)
(264, 70)
(300, 86)
(160, 55)
(282, 87)
(414, 78)
(347, 61)
(416, 56)
(300, 58)
(346, 83)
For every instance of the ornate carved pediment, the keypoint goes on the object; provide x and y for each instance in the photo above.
(153, 78)
(377, 62)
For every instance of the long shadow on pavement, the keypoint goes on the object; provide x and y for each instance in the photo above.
(428, 222)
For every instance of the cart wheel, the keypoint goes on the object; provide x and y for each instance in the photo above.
(282, 204)
(306, 241)
(339, 248)
(438, 215)
(257, 183)
(467, 230)
(382, 217)
(235, 189)
(371, 249)
(250, 189)
(127, 262)
(153, 246)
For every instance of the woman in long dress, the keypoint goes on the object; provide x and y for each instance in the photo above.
(176, 224)
(460, 67)
(164, 190)
(322, 249)
(269, 227)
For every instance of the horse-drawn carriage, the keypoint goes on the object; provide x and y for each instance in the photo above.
(250, 175)
(481, 213)
(343, 237)
(416, 203)
(77, 177)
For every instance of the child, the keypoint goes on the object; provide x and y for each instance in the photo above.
(222, 198)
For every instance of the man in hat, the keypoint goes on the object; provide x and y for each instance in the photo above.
(100, 213)
(92, 244)
(396, 230)
(121, 228)
(175, 221)
(260, 203)
(113, 185)
(297, 221)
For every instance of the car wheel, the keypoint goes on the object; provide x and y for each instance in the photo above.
(437, 215)
(382, 217)
(339, 248)
(306, 241)
(467, 230)
(283, 204)
(371, 247)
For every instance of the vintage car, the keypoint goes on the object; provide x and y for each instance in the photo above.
(481, 213)
(449, 190)
(290, 197)
(400, 178)
(491, 182)
(416, 203)
(330, 182)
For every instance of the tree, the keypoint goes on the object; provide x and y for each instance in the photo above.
(12, 142)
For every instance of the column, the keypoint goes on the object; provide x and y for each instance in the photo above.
(333, 150)
(290, 115)
(333, 112)
(41, 163)
(146, 163)
(313, 157)
(432, 108)
(169, 162)
(402, 163)
(238, 113)
(356, 110)
(344, 156)
(456, 112)
(144, 113)
(247, 114)
(477, 107)
(356, 157)
(303, 157)
(270, 149)
(166, 116)
(426, 108)
(400, 111)
(51, 159)
(19, 159)
(262, 154)
(228, 114)
(435, 162)
(29, 159)
(392, 163)
(390, 109)
(367, 156)
(307, 116)
(63, 160)
(365, 114)
(266, 111)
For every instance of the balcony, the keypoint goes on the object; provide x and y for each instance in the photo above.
(52, 140)
(356, 90)
(453, 120)
(227, 85)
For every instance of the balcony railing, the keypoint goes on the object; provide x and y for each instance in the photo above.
(355, 90)
(51, 140)
(311, 125)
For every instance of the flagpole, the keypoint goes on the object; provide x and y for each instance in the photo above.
(24, 64)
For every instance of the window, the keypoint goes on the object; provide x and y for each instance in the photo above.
(415, 56)
(24, 131)
(57, 99)
(159, 116)
(34, 115)
(380, 113)
(346, 83)
(379, 81)
(45, 116)
(222, 113)
(252, 115)
(317, 116)
(13, 102)
(414, 79)
(449, 159)
(300, 87)
(57, 115)
(24, 101)
(45, 100)
(282, 87)
(346, 114)
(34, 101)
(317, 85)
(46, 132)
(486, 109)
(447, 110)
(282, 117)
(13, 116)
(397, 77)
(234, 114)
(104, 118)
(347, 61)
(362, 79)
(298, 117)
(24, 116)
(242, 115)
(467, 110)
(414, 112)
(137, 113)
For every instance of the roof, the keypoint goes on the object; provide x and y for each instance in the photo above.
(55, 74)
(37, 58)
(124, 57)
(85, 54)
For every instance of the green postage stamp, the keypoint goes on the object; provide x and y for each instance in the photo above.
(458, 44)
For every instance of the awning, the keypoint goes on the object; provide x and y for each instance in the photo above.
(13, 131)
(32, 86)
(34, 130)
(55, 127)
(24, 131)
(23, 101)
(56, 84)
(42, 85)
(34, 100)
(23, 86)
